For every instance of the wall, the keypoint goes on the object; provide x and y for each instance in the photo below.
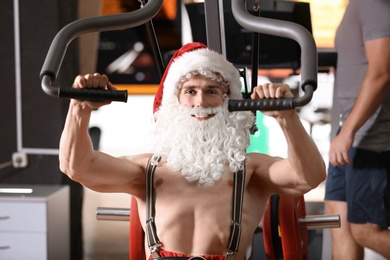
(31, 121)
(41, 116)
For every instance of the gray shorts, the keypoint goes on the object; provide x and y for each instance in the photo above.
(364, 185)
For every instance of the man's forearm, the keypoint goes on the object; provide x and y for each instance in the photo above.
(375, 86)
(76, 150)
(372, 94)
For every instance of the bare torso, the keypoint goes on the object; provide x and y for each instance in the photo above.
(195, 219)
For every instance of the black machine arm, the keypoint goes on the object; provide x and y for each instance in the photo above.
(279, 28)
(286, 30)
(61, 41)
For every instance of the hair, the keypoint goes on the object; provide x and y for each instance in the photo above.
(215, 76)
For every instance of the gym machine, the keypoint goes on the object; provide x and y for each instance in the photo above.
(286, 214)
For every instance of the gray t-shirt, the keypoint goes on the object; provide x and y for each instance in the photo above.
(363, 20)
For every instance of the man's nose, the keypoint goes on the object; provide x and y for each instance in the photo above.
(200, 100)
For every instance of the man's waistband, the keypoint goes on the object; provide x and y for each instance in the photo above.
(179, 258)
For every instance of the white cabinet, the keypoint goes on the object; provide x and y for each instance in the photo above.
(34, 222)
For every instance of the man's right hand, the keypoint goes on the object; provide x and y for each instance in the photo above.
(273, 90)
(95, 81)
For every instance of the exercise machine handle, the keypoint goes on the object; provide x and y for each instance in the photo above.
(283, 29)
(83, 94)
(59, 45)
(271, 104)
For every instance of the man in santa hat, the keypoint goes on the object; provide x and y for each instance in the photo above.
(184, 187)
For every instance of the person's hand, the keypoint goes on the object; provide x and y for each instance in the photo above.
(272, 90)
(339, 148)
(95, 81)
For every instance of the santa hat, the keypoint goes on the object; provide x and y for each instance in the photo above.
(195, 57)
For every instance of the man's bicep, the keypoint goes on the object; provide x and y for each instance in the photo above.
(116, 174)
(378, 55)
(273, 172)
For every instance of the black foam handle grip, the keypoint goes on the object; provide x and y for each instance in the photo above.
(260, 104)
(93, 94)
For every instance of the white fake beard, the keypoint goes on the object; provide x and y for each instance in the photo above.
(200, 150)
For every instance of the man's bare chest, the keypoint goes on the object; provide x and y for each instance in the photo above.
(172, 188)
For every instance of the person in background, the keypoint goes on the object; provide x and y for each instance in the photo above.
(184, 187)
(358, 182)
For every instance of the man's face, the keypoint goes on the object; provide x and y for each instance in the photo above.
(201, 92)
(197, 134)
